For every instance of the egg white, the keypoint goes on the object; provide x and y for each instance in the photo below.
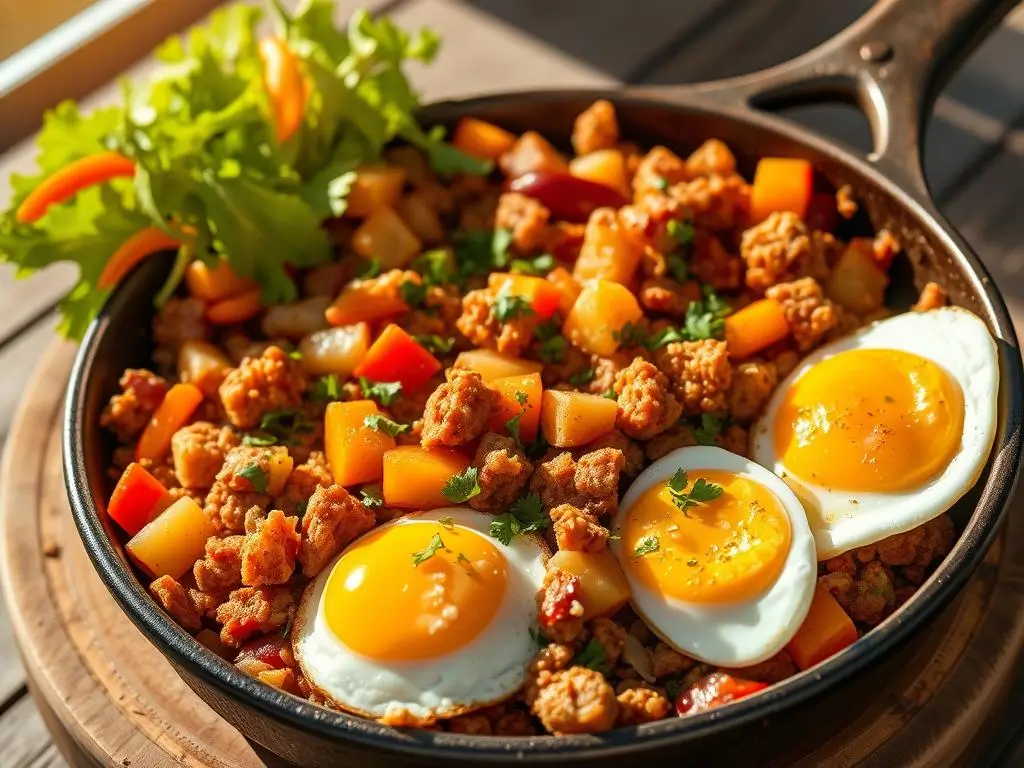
(726, 634)
(958, 341)
(489, 669)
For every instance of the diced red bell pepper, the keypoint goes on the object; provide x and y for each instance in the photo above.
(395, 356)
(544, 297)
(266, 649)
(713, 691)
(558, 600)
(138, 498)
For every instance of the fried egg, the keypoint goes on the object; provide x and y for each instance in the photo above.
(881, 431)
(426, 616)
(728, 581)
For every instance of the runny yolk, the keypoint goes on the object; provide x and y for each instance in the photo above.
(870, 420)
(730, 549)
(382, 605)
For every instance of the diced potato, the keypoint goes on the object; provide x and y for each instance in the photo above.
(605, 166)
(511, 390)
(171, 543)
(568, 288)
(281, 465)
(482, 139)
(532, 153)
(600, 313)
(603, 586)
(335, 350)
(608, 252)
(421, 216)
(375, 187)
(494, 365)
(202, 364)
(296, 319)
(355, 452)
(824, 633)
(569, 419)
(857, 283)
(384, 236)
(415, 476)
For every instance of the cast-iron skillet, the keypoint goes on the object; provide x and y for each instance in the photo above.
(892, 62)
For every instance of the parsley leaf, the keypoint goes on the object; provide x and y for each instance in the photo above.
(413, 293)
(508, 307)
(663, 338)
(681, 231)
(255, 475)
(646, 545)
(631, 335)
(378, 422)
(610, 394)
(435, 546)
(678, 267)
(373, 268)
(582, 377)
(512, 425)
(277, 428)
(701, 493)
(538, 266)
(300, 509)
(372, 497)
(462, 487)
(709, 429)
(436, 267)
(449, 523)
(383, 392)
(480, 252)
(592, 657)
(524, 516)
(326, 389)
(434, 343)
(552, 342)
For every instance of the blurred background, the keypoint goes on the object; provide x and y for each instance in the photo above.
(56, 49)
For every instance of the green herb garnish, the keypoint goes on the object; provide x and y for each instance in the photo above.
(524, 516)
(538, 266)
(701, 493)
(435, 546)
(509, 307)
(646, 545)
(371, 496)
(383, 392)
(592, 657)
(462, 487)
(378, 422)
(435, 344)
(372, 270)
(710, 427)
(326, 389)
(582, 377)
(255, 475)
(413, 293)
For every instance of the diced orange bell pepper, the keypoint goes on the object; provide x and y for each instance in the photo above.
(396, 356)
(756, 326)
(781, 184)
(415, 476)
(826, 630)
(211, 284)
(482, 139)
(237, 309)
(177, 408)
(355, 452)
(138, 497)
(543, 296)
(511, 390)
(491, 364)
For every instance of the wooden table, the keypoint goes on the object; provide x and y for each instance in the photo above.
(974, 159)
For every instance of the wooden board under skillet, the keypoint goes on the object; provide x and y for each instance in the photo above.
(111, 699)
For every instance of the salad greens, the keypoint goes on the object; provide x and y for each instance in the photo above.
(209, 168)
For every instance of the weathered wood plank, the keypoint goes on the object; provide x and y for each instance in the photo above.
(23, 736)
(18, 361)
(12, 676)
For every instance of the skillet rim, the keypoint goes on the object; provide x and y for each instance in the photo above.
(974, 541)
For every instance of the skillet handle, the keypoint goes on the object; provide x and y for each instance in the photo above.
(892, 63)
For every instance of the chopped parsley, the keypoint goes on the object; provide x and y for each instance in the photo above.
(706, 319)
(435, 546)
(480, 252)
(436, 267)
(255, 475)
(646, 545)
(663, 338)
(524, 516)
(378, 422)
(300, 508)
(435, 344)
(449, 523)
(592, 657)
(583, 377)
(631, 335)
(610, 394)
(277, 428)
(326, 389)
(538, 266)
(512, 425)
(373, 268)
(413, 293)
(538, 637)
(465, 562)
(701, 493)
(287, 627)
(681, 232)
(678, 267)
(372, 497)
(538, 447)
(710, 427)
(384, 392)
(462, 487)
(509, 306)
(552, 342)
(295, 354)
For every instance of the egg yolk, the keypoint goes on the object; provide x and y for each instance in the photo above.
(382, 604)
(870, 420)
(727, 550)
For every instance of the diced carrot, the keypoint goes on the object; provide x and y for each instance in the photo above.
(211, 284)
(600, 313)
(543, 296)
(756, 326)
(415, 476)
(781, 184)
(826, 631)
(569, 419)
(132, 251)
(491, 364)
(359, 303)
(396, 356)
(138, 497)
(170, 543)
(177, 408)
(237, 309)
(375, 187)
(65, 183)
(355, 452)
(482, 139)
(512, 389)
(568, 288)
(385, 237)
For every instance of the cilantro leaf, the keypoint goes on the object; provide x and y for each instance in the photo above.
(646, 545)
(538, 266)
(378, 422)
(436, 267)
(278, 427)
(592, 657)
(631, 335)
(663, 338)
(383, 392)
(709, 429)
(582, 377)
(413, 293)
(447, 522)
(480, 252)
(552, 343)
(373, 268)
(678, 267)
(435, 344)
(462, 487)
(326, 389)
(525, 515)
(371, 496)
(508, 307)
(701, 493)
(255, 475)
(436, 545)
(512, 425)
(681, 231)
